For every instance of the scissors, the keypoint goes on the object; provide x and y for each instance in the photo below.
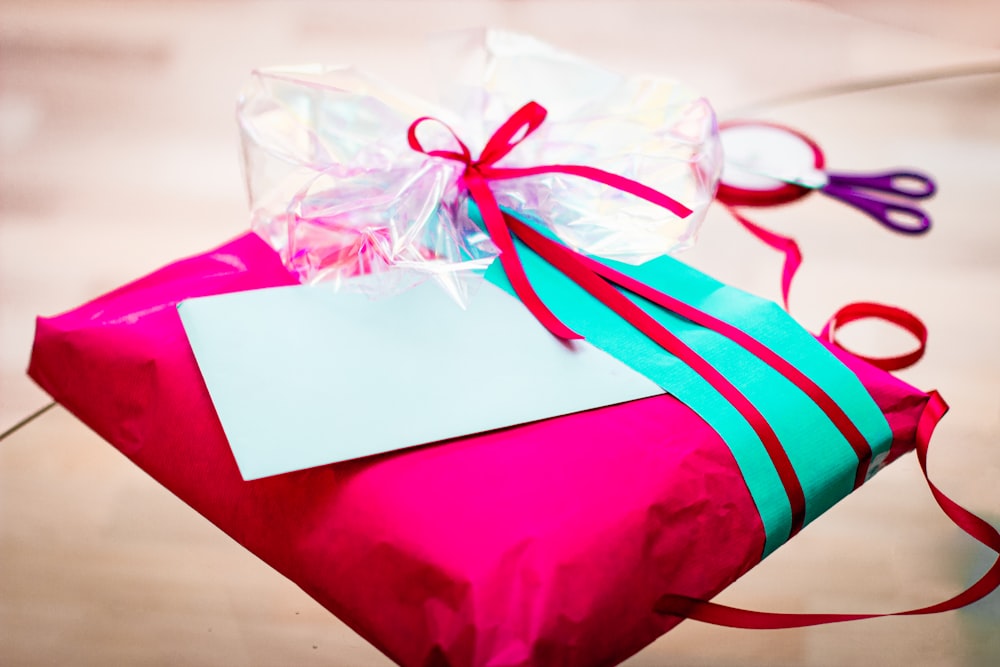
(768, 164)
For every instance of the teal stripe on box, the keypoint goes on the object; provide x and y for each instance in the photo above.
(822, 458)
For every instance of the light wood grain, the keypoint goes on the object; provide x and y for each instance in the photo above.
(118, 155)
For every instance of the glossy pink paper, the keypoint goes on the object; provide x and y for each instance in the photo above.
(542, 544)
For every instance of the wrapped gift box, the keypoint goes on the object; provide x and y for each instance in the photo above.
(551, 542)
(546, 543)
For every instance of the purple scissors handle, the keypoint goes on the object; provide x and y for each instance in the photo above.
(881, 197)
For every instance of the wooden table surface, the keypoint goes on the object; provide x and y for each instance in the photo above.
(118, 149)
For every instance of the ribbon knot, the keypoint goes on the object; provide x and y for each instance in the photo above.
(516, 129)
(477, 175)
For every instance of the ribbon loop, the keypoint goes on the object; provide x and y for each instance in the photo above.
(515, 129)
(877, 311)
(465, 156)
(479, 172)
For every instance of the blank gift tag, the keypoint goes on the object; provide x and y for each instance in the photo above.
(303, 376)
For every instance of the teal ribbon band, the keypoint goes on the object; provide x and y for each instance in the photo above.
(823, 460)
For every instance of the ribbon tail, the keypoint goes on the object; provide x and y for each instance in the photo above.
(783, 244)
(986, 534)
(598, 175)
(571, 263)
(493, 218)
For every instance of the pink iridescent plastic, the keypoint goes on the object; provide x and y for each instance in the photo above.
(336, 190)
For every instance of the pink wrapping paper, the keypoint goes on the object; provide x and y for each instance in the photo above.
(546, 543)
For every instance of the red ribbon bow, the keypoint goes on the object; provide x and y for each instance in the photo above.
(478, 174)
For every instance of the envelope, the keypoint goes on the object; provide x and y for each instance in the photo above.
(302, 376)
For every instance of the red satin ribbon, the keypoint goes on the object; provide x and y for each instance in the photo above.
(709, 612)
(599, 281)
(901, 318)
(717, 614)
(783, 244)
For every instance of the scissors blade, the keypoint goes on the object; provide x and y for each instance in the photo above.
(813, 179)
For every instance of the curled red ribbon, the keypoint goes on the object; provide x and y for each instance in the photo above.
(877, 311)
(983, 532)
(783, 244)
(600, 280)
